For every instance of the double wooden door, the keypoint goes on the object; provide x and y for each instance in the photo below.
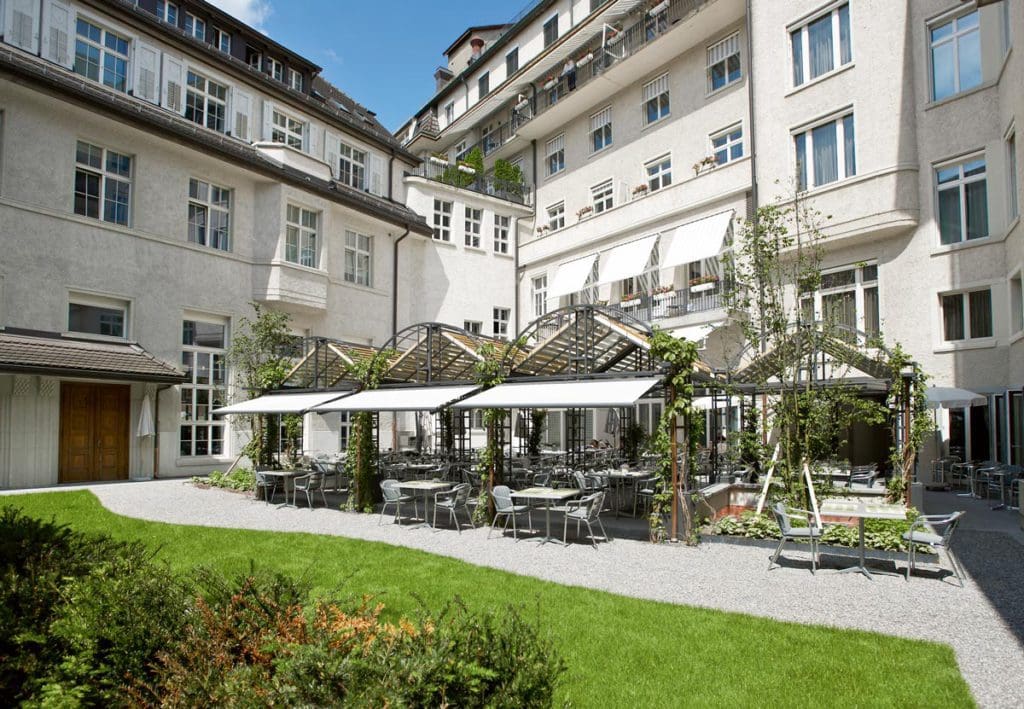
(94, 431)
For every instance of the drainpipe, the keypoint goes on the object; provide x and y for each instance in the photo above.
(156, 429)
(394, 284)
(515, 271)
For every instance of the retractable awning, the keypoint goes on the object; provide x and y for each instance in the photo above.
(696, 333)
(428, 398)
(282, 403)
(571, 276)
(626, 260)
(696, 241)
(588, 394)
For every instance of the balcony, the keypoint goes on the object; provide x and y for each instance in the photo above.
(674, 304)
(455, 175)
(291, 287)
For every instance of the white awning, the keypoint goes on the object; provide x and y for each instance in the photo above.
(282, 403)
(705, 403)
(696, 333)
(696, 241)
(595, 393)
(424, 398)
(571, 276)
(626, 260)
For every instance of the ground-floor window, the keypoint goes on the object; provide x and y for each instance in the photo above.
(203, 358)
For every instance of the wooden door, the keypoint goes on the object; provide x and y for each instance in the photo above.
(94, 422)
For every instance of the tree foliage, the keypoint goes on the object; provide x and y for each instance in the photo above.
(489, 371)
(361, 459)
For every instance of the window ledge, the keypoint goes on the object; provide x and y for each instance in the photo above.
(818, 79)
(961, 245)
(475, 249)
(442, 242)
(722, 89)
(510, 257)
(96, 336)
(299, 267)
(202, 461)
(981, 343)
(963, 94)
(654, 123)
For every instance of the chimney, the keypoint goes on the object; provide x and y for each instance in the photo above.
(477, 46)
(441, 78)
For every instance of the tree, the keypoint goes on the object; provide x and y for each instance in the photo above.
(361, 460)
(490, 372)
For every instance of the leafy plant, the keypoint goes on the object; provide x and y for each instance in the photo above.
(538, 417)
(361, 459)
(508, 177)
(452, 175)
(241, 479)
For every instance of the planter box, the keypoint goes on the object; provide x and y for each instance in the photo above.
(438, 161)
(662, 297)
(583, 61)
(659, 8)
(615, 39)
(522, 104)
(551, 84)
(467, 169)
(701, 287)
(629, 304)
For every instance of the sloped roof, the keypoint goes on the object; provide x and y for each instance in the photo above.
(807, 341)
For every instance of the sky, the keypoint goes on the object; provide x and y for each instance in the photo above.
(383, 54)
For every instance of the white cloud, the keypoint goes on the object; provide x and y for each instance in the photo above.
(251, 12)
(333, 56)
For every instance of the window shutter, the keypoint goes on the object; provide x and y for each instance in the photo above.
(147, 70)
(173, 85)
(555, 144)
(377, 179)
(268, 119)
(242, 105)
(331, 152)
(312, 138)
(21, 22)
(601, 119)
(58, 27)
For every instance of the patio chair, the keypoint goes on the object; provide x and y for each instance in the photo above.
(268, 484)
(784, 516)
(645, 489)
(503, 507)
(585, 511)
(452, 500)
(310, 484)
(923, 531)
(863, 475)
(393, 496)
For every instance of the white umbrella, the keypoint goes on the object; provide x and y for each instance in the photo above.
(951, 398)
(145, 427)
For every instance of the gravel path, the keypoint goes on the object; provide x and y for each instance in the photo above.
(983, 622)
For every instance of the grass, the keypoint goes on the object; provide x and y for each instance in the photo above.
(622, 652)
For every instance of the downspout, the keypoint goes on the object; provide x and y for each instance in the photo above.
(515, 271)
(394, 284)
(391, 174)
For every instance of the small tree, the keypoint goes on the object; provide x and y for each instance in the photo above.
(490, 372)
(361, 460)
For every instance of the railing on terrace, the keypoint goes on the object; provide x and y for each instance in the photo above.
(673, 304)
(490, 142)
(452, 174)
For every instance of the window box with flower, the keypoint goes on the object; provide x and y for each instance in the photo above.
(703, 283)
(704, 164)
(641, 190)
(466, 168)
(543, 229)
(439, 159)
(583, 212)
(630, 300)
(585, 59)
(658, 8)
(550, 83)
(663, 293)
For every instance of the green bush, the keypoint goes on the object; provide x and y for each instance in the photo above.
(241, 478)
(881, 534)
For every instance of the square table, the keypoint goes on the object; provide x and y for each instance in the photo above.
(862, 510)
(426, 488)
(547, 495)
(619, 479)
(287, 477)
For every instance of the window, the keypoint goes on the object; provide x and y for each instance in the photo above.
(204, 359)
(512, 62)
(194, 26)
(287, 130)
(254, 57)
(276, 69)
(442, 220)
(848, 299)
(501, 227)
(821, 45)
(222, 40)
(352, 166)
(659, 173)
(1005, 36)
(724, 63)
(1017, 302)
(206, 102)
(344, 430)
(295, 79)
(98, 316)
(727, 145)
(473, 327)
(656, 104)
(601, 197)
(956, 55)
(101, 55)
(102, 183)
(550, 31)
(473, 219)
(540, 296)
(500, 323)
(301, 243)
(167, 11)
(601, 130)
(358, 259)
(554, 155)
(209, 215)
(962, 201)
(483, 85)
(1012, 188)
(825, 153)
(449, 112)
(556, 216)
(966, 316)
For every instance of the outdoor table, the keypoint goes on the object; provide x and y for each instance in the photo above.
(970, 469)
(862, 511)
(547, 495)
(426, 488)
(619, 479)
(287, 479)
(417, 468)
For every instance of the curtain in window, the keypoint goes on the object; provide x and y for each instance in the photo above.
(871, 319)
(819, 40)
(845, 50)
(949, 216)
(801, 161)
(826, 156)
(981, 313)
(798, 57)
(953, 317)
(849, 151)
(976, 202)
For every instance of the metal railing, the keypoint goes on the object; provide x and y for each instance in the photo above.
(456, 176)
(662, 306)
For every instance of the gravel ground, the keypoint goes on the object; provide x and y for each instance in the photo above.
(983, 622)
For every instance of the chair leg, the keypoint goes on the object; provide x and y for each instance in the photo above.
(435, 516)
(603, 532)
(469, 515)
(565, 532)
(493, 522)
(775, 557)
(383, 509)
(957, 568)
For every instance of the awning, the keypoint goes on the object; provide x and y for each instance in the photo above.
(626, 260)
(281, 403)
(427, 398)
(696, 333)
(589, 394)
(571, 276)
(706, 403)
(696, 241)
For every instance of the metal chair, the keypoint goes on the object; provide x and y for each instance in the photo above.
(922, 531)
(268, 484)
(503, 506)
(393, 496)
(645, 489)
(863, 475)
(310, 484)
(585, 511)
(784, 517)
(452, 500)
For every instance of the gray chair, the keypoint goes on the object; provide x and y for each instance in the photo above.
(268, 485)
(923, 531)
(645, 489)
(785, 516)
(863, 475)
(503, 507)
(453, 500)
(393, 496)
(586, 510)
(310, 484)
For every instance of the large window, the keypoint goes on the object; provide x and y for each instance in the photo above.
(821, 45)
(473, 327)
(209, 215)
(295, 79)
(301, 244)
(554, 155)
(206, 102)
(474, 218)
(601, 130)
(287, 130)
(442, 220)
(956, 55)
(727, 145)
(358, 259)
(655, 96)
(847, 300)
(102, 183)
(501, 229)
(551, 31)
(556, 216)
(344, 430)
(962, 201)
(601, 196)
(500, 324)
(97, 316)
(540, 296)
(966, 316)
(1012, 186)
(659, 173)
(276, 69)
(724, 63)
(483, 85)
(825, 153)
(101, 55)
(204, 360)
(352, 166)
(194, 26)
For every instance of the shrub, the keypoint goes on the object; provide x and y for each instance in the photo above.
(241, 478)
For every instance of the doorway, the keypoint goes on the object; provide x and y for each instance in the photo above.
(93, 432)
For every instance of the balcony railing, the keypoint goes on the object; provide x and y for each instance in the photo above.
(456, 176)
(651, 308)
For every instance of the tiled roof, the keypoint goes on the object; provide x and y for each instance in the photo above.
(37, 352)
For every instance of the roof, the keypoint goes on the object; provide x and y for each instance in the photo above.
(37, 352)
(469, 31)
(355, 114)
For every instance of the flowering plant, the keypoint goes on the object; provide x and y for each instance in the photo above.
(706, 161)
(700, 280)
(543, 228)
(584, 211)
(660, 290)
(630, 297)
(640, 189)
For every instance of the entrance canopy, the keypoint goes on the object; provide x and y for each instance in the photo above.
(428, 398)
(282, 403)
(587, 394)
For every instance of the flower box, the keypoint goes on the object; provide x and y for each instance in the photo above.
(468, 169)
(614, 38)
(550, 84)
(523, 104)
(701, 287)
(659, 8)
(585, 59)
(631, 302)
(438, 161)
(667, 295)
(640, 191)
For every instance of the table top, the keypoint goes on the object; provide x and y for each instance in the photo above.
(626, 474)
(425, 485)
(872, 510)
(285, 473)
(421, 466)
(547, 493)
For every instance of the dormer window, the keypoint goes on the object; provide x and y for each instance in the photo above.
(275, 69)
(194, 26)
(295, 79)
(222, 40)
(254, 58)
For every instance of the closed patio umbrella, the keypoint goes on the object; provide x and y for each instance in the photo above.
(951, 398)
(145, 427)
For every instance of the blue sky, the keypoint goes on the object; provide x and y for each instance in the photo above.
(383, 53)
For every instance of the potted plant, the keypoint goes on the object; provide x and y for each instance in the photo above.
(703, 283)
(584, 211)
(663, 292)
(551, 82)
(585, 59)
(640, 190)
(658, 8)
(705, 163)
(466, 168)
(630, 299)
(439, 159)
(523, 102)
(542, 229)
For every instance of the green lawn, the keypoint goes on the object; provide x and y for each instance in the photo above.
(622, 652)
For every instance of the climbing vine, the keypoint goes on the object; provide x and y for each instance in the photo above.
(907, 391)
(361, 461)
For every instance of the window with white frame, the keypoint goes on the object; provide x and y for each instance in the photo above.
(601, 129)
(847, 299)
(254, 57)
(442, 220)
(821, 45)
(295, 79)
(95, 315)
(276, 69)
(554, 155)
(724, 63)
(1012, 186)
(551, 31)
(659, 173)
(209, 215)
(344, 430)
(474, 218)
(1017, 302)
(206, 102)
(302, 243)
(727, 145)
(502, 223)
(962, 201)
(540, 296)
(483, 85)
(966, 315)
(955, 55)
(556, 216)
(222, 40)
(204, 359)
(167, 11)
(352, 166)
(194, 26)
(101, 55)
(102, 183)
(655, 100)
(825, 153)
(287, 130)
(473, 327)
(358, 259)
(601, 196)
(500, 322)
(449, 112)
